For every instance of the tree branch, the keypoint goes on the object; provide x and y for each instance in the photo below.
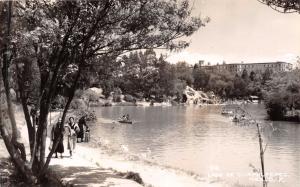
(273, 6)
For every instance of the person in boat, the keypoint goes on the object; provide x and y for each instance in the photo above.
(56, 132)
(127, 117)
(82, 128)
(71, 135)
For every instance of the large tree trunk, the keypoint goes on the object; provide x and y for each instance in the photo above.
(15, 149)
(15, 155)
(30, 125)
(43, 146)
(7, 9)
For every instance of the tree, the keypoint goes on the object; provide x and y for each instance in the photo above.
(239, 87)
(167, 76)
(281, 93)
(139, 72)
(65, 37)
(276, 106)
(283, 6)
(266, 75)
(252, 76)
(10, 139)
(221, 83)
(200, 77)
(184, 72)
(245, 76)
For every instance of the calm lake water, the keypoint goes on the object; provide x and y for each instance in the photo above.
(200, 141)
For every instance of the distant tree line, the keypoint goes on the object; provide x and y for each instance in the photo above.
(144, 75)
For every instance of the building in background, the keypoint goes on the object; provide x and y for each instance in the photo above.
(238, 68)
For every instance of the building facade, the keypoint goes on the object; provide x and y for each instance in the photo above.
(238, 68)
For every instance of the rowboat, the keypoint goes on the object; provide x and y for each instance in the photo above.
(226, 112)
(125, 121)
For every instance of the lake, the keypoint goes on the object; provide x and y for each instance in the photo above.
(201, 141)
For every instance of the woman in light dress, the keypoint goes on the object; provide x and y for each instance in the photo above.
(70, 135)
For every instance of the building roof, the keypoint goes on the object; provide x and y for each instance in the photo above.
(277, 62)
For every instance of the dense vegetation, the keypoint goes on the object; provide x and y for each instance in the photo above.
(144, 75)
(281, 94)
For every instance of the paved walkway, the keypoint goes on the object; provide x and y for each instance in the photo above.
(80, 172)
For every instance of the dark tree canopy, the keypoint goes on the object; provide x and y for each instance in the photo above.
(283, 6)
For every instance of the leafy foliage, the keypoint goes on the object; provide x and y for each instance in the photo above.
(281, 93)
(283, 6)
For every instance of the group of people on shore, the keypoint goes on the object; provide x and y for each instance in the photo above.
(72, 133)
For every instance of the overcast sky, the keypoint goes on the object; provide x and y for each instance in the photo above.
(242, 30)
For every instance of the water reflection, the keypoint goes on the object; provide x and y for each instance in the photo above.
(200, 140)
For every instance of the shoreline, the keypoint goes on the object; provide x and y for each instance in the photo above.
(68, 170)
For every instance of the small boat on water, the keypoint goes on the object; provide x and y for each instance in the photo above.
(125, 121)
(226, 112)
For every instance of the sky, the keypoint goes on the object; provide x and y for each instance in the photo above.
(241, 30)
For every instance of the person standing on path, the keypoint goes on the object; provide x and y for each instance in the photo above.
(71, 135)
(56, 132)
(82, 124)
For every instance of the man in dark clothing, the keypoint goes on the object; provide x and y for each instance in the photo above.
(81, 125)
(56, 132)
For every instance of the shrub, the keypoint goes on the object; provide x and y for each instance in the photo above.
(129, 98)
(90, 115)
(58, 102)
(276, 107)
(117, 98)
(78, 104)
(117, 95)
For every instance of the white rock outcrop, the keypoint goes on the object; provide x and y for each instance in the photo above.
(199, 97)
